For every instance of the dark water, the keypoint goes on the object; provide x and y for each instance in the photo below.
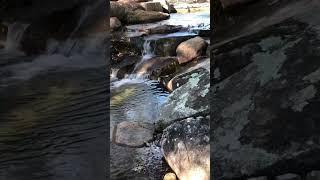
(53, 127)
(54, 111)
(136, 99)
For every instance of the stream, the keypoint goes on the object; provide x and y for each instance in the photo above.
(53, 109)
(137, 98)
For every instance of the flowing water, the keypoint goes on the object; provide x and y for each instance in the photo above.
(53, 109)
(137, 98)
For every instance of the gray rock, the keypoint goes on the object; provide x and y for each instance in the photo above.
(187, 100)
(186, 148)
(288, 177)
(258, 178)
(313, 175)
(133, 134)
(266, 113)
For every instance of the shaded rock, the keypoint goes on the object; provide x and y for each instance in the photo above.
(126, 66)
(313, 175)
(186, 148)
(133, 134)
(121, 49)
(170, 176)
(288, 177)
(259, 178)
(191, 49)
(265, 114)
(115, 24)
(187, 100)
(152, 6)
(140, 16)
(157, 66)
(232, 3)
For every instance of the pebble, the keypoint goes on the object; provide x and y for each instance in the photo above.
(170, 176)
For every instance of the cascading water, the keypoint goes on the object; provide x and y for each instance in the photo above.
(13, 39)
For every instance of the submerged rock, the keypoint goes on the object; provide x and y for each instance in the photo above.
(133, 134)
(191, 49)
(186, 148)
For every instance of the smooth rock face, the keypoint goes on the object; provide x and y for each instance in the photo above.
(191, 49)
(266, 113)
(288, 177)
(187, 100)
(133, 134)
(186, 148)
(140, 16)
(115, 24)
(152, 6)
(313, 175)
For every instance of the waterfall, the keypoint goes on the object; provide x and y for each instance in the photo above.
(147, 51)
(14, 36)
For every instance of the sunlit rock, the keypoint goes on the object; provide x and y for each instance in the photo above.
(191, 49)
(186, 148)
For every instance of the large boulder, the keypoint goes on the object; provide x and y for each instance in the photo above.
(189, 99)
(186, 148)
(140, 16)
(265, 109)
(191, 49)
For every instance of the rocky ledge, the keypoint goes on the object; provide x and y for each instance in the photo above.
(265, 94)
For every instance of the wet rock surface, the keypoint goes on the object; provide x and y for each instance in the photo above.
(265, 95)
(186, 148)
(157, 66)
